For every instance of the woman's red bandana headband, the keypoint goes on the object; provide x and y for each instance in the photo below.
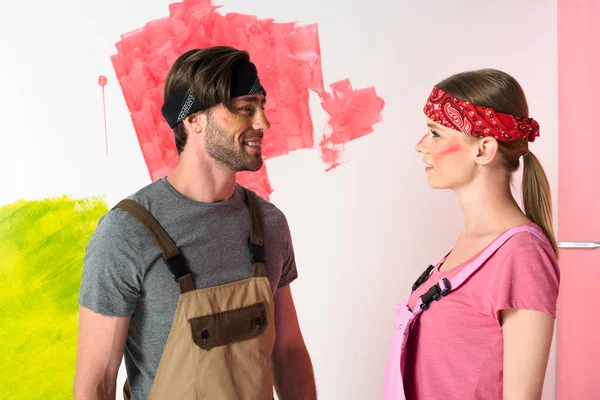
(477, 121)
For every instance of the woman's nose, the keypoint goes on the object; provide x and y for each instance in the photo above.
(420, 146)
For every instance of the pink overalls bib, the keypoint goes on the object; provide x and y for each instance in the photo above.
(405, 318)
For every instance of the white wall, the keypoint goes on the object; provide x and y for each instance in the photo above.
(362, 232)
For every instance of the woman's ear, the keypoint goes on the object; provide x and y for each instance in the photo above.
(486, 150)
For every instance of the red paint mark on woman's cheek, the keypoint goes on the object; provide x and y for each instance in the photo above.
(452, 149)
(447, 151)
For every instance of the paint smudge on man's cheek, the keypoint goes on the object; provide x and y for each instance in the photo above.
(232, 122)
(226, 121)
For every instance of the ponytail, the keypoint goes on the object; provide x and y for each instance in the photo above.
(536, 197)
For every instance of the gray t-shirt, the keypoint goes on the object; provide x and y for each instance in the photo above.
(125, 275)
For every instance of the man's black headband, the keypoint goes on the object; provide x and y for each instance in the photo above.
(183, 103)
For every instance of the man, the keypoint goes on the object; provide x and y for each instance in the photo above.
(174, 277)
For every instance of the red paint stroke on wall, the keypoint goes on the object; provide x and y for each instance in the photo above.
(353, 113)
(102, 82)
(288, 58)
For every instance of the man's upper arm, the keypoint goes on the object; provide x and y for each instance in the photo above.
(100, 348)
(110, 288)
(113, 266)
(289, 272)
(286, 321)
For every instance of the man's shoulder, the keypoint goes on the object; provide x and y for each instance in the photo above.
(150, 194)
(270, 212)
(120, 221)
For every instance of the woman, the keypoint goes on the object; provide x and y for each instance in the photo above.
(478, 324)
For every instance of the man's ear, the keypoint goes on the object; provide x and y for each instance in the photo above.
(487, 150)
(195, 123)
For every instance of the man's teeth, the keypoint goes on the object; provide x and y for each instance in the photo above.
(253, 143)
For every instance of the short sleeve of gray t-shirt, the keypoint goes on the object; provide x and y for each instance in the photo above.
(125, 275)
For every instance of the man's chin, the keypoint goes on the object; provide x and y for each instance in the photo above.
(252, 166)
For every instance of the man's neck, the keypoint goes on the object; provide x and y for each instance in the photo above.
(202, 180)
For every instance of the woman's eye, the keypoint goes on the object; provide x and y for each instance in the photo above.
(434, 133)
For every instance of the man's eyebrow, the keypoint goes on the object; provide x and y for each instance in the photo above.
(254, 99)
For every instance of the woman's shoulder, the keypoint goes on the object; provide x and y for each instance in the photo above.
(525, 238)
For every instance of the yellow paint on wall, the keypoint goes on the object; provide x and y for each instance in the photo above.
(42, 244)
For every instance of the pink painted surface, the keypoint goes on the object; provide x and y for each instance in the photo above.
(578, 357)
(288, 58)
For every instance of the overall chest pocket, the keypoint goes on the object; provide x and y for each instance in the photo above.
(231, 326)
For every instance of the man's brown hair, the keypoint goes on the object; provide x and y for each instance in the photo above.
(206, 72)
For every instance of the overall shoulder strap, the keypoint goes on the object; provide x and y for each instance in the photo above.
(445, 286)
(470, 269)
(171, 254)
(257, 240)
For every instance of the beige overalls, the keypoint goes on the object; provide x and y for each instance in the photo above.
(220, 343)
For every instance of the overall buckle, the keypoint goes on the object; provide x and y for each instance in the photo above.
(435, 293)
(422, 278)
(257, 253)
(177, 266)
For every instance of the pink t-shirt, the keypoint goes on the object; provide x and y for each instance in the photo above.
(455, 349)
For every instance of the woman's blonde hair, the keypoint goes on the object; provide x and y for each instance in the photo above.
(500, 91)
